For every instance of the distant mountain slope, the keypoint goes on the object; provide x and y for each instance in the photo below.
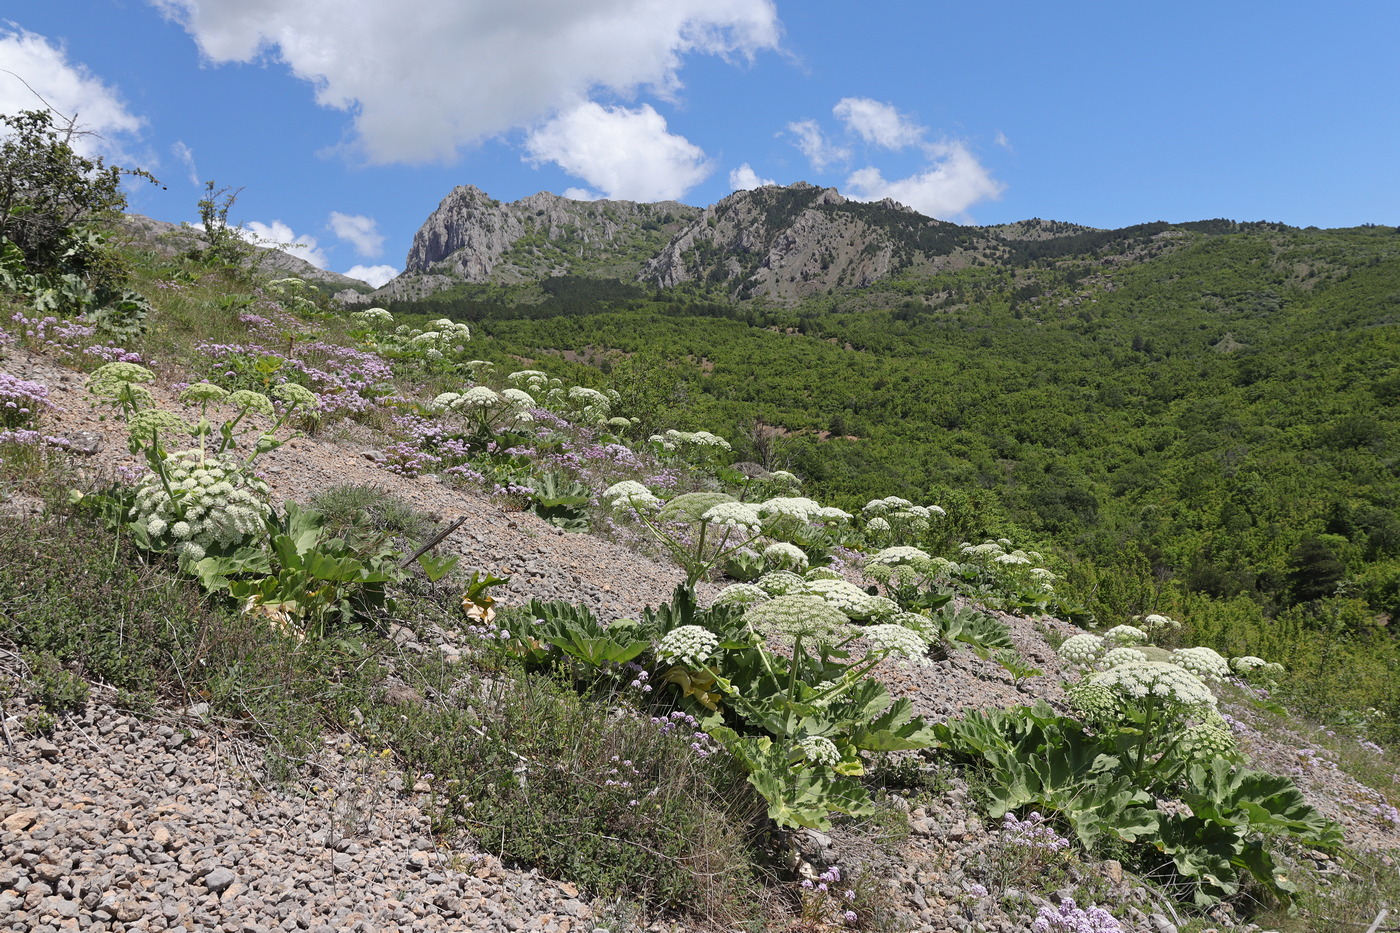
(780, 244)
(171, 238)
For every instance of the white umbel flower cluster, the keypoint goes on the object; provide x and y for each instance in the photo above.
(215, 504)
(741, 516)
(897, 557)
(1161, 680)
(1082, 650)
(787, 556)
(588, 406)
(739, 594)
(779, 582)
(690, 645)
(627, 493)
(372, 318)
(855, 602)
(677, 440)
(1121, 635)
(797, 507)
(898, 641)
(820, 750)
(794, 616)
(1248, 664)
(533, 381)
(1117, 656)
(1203, 662)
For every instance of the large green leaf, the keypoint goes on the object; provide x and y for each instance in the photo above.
(1257, 801)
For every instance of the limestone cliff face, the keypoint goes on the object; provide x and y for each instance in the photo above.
(780, 243)
(788, 243)
(474, 238)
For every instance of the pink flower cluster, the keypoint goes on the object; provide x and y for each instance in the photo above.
(1067, 917)
(21, 401)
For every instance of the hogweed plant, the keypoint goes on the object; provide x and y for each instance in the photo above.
(201, 500)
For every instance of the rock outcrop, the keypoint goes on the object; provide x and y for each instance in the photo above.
(475, 238)
(789, 243)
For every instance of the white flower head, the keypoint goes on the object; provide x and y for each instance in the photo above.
(1121, 635)
(1123, 655)
(898, 641)
(1081, 650)
(798, 507)
(739, 594)
(898, 556)
(787, 556)
(820, 750)
(1138, 680)
(797, 616)
(830, 515)
(629, 492)
(690, 645)
(742, 516)
(779, 582)
(1205, 663)
(855, 602)
(1154, 621)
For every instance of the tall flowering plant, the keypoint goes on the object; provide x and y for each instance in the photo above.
(203, 499)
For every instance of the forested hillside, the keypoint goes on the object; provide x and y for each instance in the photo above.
(1210, 404)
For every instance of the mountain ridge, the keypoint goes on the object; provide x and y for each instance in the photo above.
(780, 243)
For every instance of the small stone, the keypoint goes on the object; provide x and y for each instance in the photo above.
(61, 907)
(48, 873)
(219, 879)
(19, 821)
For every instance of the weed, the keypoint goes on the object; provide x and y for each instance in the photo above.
(56, 689)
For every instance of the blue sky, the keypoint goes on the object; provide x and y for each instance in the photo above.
(346, 121)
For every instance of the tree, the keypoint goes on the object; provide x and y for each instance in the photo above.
(48, 190)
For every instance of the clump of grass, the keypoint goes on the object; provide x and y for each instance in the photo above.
(349, 508)
(621, 804)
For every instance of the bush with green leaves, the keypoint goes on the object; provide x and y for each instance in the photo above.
(1095, 776)
(51, 198)
(801, 725)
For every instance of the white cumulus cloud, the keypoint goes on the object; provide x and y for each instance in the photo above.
(277, 235)
(374, 275)
(953, 183)
(877, 123)
(32, 67)
(359, 231)
(425, 79)
(626, 153)
(820, 151)
(744, 178)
